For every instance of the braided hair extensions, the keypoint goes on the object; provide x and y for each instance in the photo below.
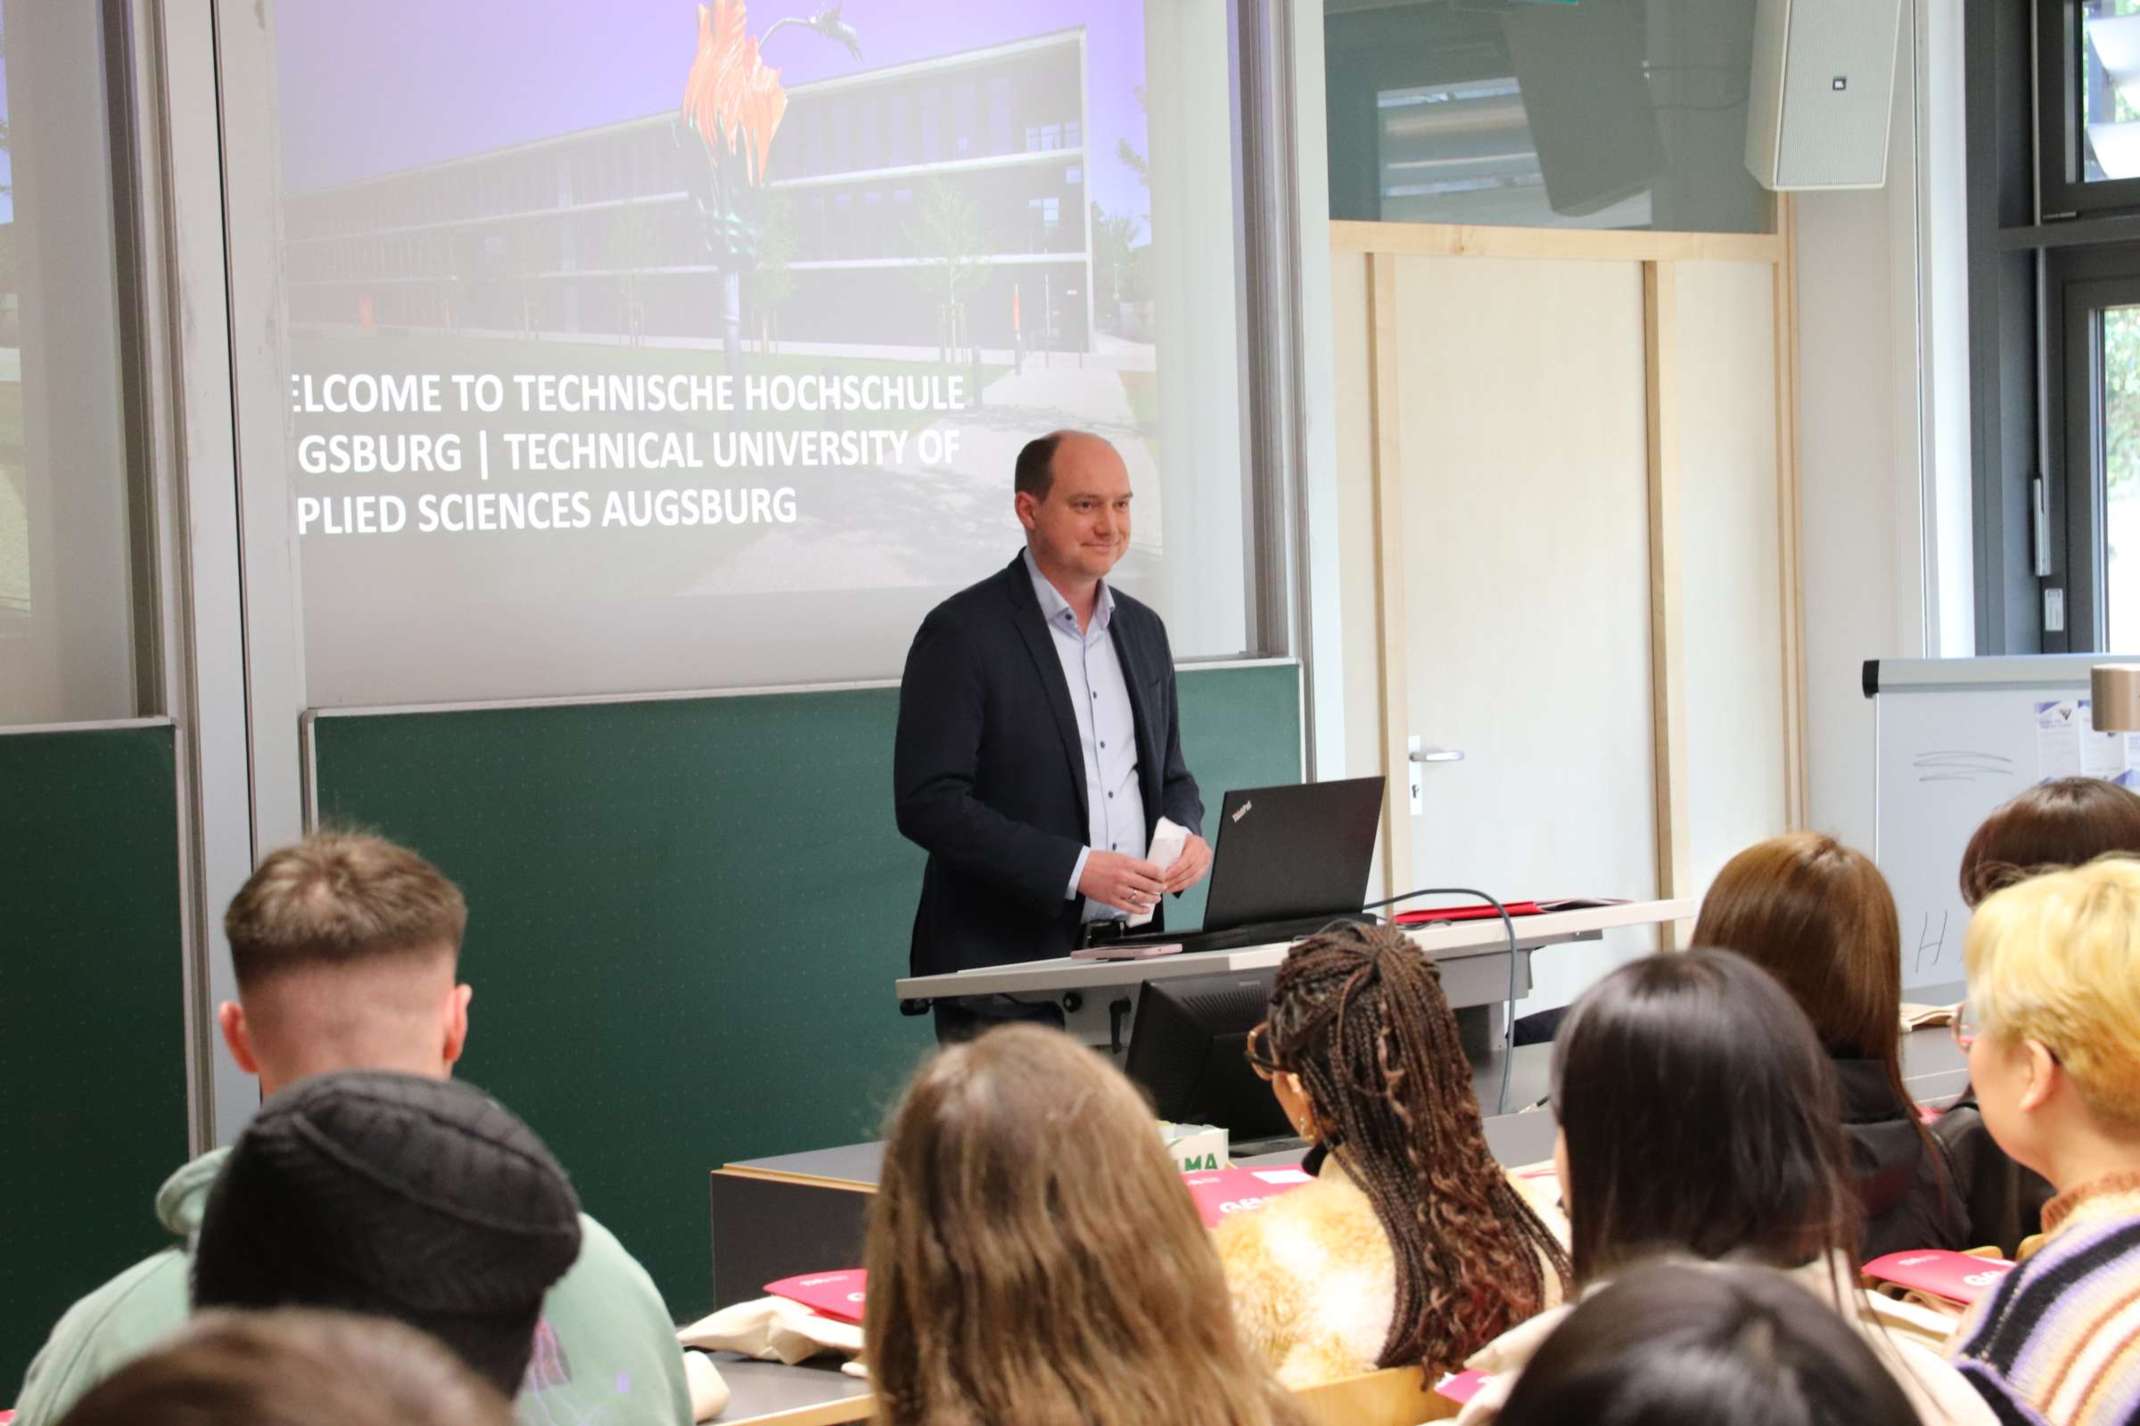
(1358, 1015)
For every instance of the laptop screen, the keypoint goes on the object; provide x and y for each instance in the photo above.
(1292, 853)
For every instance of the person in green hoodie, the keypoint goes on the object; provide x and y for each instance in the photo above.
(347, 953)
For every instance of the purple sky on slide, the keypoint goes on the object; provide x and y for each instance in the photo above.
(391, 84)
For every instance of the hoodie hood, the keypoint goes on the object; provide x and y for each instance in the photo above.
(184, 1195)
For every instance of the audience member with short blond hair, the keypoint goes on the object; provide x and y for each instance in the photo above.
(294, 1367)
(1034, 1258)
(2053, 1025)
(2065, 822)
(347, 951)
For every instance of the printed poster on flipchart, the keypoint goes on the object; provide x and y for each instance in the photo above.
(2067, 745)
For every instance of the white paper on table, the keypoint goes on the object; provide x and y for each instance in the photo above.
(1169, 840)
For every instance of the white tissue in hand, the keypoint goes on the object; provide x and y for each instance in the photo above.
(1169, 840)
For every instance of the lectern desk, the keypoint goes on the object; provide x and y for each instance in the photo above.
(1099, 997)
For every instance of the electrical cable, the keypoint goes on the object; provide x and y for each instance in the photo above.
(1508, 925)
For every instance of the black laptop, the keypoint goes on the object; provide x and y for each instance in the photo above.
(1286, 861)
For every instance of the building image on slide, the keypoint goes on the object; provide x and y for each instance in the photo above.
(926, 207)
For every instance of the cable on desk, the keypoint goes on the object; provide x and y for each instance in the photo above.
(1508, 925)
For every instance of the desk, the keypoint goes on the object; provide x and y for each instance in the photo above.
(1473, 956)
(798, 1213)
(813, 1393)
(804, 1212)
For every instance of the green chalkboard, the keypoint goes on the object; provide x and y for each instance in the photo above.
(686, 917)
(92, 1016)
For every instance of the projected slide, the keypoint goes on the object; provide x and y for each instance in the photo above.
(694, 342)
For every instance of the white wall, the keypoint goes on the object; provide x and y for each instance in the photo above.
(1884, 545)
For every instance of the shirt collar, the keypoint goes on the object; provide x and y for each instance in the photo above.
(1055, 608)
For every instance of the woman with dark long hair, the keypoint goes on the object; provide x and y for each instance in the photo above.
(1413, 1246)
(1689, 1345)
(1818, 916)
(1034, 1258)
(1699, 1120)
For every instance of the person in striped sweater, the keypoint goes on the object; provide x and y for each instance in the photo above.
(2053, 1031)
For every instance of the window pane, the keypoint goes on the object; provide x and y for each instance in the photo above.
(66, 616)
(2109, 84)
(1607, 114)
(978, 224)
(2121, 476)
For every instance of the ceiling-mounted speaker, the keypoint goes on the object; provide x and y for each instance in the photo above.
(1823, 92)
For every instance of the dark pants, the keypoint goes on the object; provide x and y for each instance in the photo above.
(963, 1017)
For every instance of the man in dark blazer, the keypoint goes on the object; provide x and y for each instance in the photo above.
(1039, 742)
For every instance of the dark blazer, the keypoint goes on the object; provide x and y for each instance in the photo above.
(988, 775)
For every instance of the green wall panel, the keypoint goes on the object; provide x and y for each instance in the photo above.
(686, 916)
(92, 1017)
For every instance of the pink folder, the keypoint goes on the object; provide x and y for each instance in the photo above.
(1224, 1193)
(837, 1295)
(1954, 1276)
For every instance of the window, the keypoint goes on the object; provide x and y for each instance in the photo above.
(2093, 344)
(70, 490)
(2088, 80)
(2053, 104)
(1593, 115)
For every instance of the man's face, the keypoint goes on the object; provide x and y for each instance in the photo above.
(1081, 526)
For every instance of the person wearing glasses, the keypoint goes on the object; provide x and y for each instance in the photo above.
(2052, 1027)
(2066, 822)
(1412, 1246)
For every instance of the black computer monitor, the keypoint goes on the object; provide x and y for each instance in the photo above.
(1186, 1047)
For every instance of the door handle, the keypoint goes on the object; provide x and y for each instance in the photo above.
(1437, 755)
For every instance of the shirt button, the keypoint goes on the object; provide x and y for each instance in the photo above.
(1103, 742)
(1110, 797)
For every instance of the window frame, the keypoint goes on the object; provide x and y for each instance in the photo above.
(2059, 123)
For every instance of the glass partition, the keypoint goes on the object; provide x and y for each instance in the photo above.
(66, 564)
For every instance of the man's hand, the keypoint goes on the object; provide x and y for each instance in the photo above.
(1125, 883)
(1189, 868)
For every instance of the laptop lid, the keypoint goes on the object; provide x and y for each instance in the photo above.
(1291, 853)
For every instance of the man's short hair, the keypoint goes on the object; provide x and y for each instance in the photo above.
(340, 897)
(2056, 959)
(1036, 465)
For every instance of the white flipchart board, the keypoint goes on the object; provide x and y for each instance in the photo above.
(1956, 738)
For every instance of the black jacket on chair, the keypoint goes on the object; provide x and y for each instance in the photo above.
(988, 773)
(1902, 1176)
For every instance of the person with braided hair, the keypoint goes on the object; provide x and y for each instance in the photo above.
(1412, 1247)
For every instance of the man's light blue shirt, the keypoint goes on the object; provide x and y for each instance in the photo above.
(1106, 729)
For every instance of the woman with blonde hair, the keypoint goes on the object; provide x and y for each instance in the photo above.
(1034, 1258)
(1818, 916)
(2052, 1026)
